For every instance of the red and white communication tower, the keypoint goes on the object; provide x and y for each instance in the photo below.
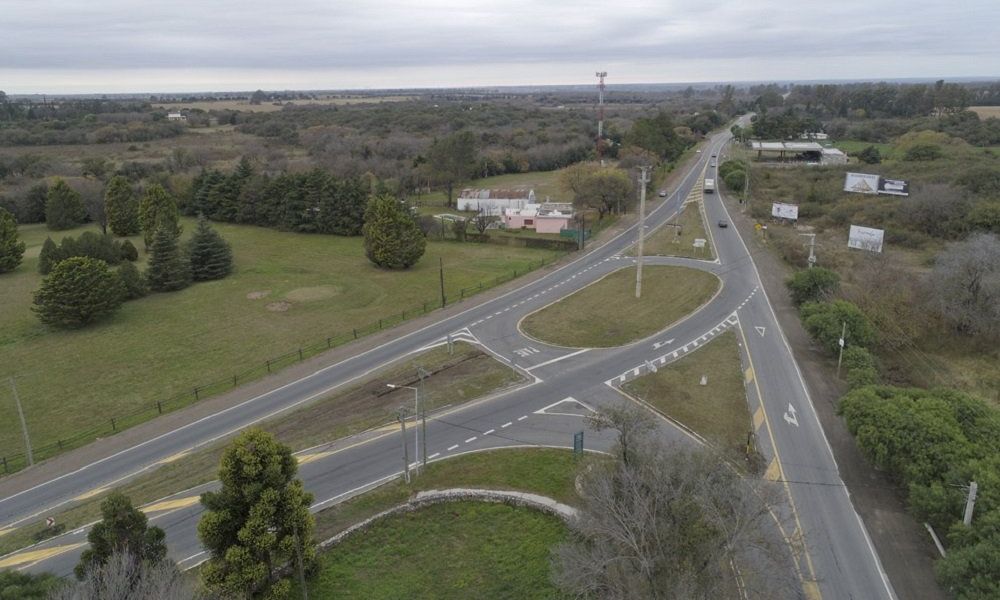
(600, 109)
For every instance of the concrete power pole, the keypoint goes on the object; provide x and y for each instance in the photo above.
(841, 342)
(24, 425)
(643, 180)
(423, 414)
(970, 503)
(401, 415)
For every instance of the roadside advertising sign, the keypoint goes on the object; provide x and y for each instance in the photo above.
(865, 238)
(784, 211)
(861, 183)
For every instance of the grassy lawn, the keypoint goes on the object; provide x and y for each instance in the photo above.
(545, 184)
(665, 241)
(607, 313)
(454, 550)
(456, 378)
(718, 411)
(288, 290)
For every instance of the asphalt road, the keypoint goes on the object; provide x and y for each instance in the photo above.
(836, 558)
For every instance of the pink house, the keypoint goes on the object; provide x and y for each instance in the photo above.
(543, 218)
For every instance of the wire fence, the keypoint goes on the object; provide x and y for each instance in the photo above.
(13, 462)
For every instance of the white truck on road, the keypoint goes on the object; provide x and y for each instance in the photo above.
(709, 186)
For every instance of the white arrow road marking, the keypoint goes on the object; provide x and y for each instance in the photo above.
(659, 344)
(760, 330)
(790, 416)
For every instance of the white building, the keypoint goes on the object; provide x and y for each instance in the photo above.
(494, 201)
(176, 116)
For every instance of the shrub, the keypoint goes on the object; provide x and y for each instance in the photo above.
(813, 284)
(129, 251)
(924, 152)
(133, 282)
(860, 366)
(78, 291)
(870, 155)
(826, 320)
(392, 238)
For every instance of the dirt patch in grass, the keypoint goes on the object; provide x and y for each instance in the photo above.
(607, 314)
(308, 294)
(279, 306)
(716, 411)
(258, 295)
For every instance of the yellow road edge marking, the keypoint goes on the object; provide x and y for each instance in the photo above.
(810, 587)
(308, 458)
(36, 555)
(773, 472)
(748, 374)
(173, 457)
(758, 419)
(90, 494)
(171, 504)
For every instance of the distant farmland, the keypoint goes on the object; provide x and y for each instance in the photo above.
(245, 105)
(986, 112)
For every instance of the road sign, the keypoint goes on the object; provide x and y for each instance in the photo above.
(50, 521)
(578, 443)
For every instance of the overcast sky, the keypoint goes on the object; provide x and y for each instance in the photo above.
(64, 46)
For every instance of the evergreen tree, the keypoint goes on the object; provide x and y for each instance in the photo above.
(48, 257)
(254, 523)
(34, 203)
(63, 207)
(11, 250)
(121, 207)
(393, 239)
(123, 527)
(128, 251)
(156, 210)
(133, 283)
(211, 256)
(168, 269)
(78, 291)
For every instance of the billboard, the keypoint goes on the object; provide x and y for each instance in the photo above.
(784, 211)
(895, 187)
(865, 238)
(862, 183)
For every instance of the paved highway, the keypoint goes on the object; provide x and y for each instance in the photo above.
(836, 558)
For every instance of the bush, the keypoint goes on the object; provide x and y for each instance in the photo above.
(870, 155)
(813, 284)
(90, 244)
(129, 251)
(924, 152)
(78, 291)
(860, 366)
(133, 282)
(826, 320)
(392, 238)
(735, 180)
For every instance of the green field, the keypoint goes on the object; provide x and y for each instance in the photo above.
(854, 146)
(454, 550)
(717, 411)
(288, 290)
(607, 313)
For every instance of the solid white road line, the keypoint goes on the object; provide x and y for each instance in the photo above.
(557, 359)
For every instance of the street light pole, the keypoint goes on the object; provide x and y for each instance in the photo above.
(423, 414)
(644, 170)
(416, 414)
(401, 415)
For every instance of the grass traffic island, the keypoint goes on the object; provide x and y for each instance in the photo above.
(665, 241)
(288, 291)
(718, 410)
(606, 313)
(452, 550)
(455, 378)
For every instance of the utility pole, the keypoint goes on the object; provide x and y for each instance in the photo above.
(644, 172)
(812, 248)
(843, 334)
(423, 414)
(298, 559)
(24, 426)
(401, 415)
(970, 503)
(441, 270)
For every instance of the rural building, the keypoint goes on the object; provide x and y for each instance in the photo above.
(176, 116)
(548, 217)
(784, 151)
(494, 201)
(833, 156)
(814, 135)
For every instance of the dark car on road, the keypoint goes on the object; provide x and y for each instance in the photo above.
(723, 224)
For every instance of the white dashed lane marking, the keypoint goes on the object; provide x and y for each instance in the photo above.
(505, 425)
(450, 448)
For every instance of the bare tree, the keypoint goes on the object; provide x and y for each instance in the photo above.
(671, 523)
(482, 220)
(965, 285)
(124, 577)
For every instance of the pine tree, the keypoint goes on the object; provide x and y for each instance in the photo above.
(254, 523)
(48, 257)
(157, 209)
(78, 291)
(121, 207)
(168, 269)
(63, 207)
(11, 250)
(133, 283)
(393, 239)
(211, 256)
(123, 527)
